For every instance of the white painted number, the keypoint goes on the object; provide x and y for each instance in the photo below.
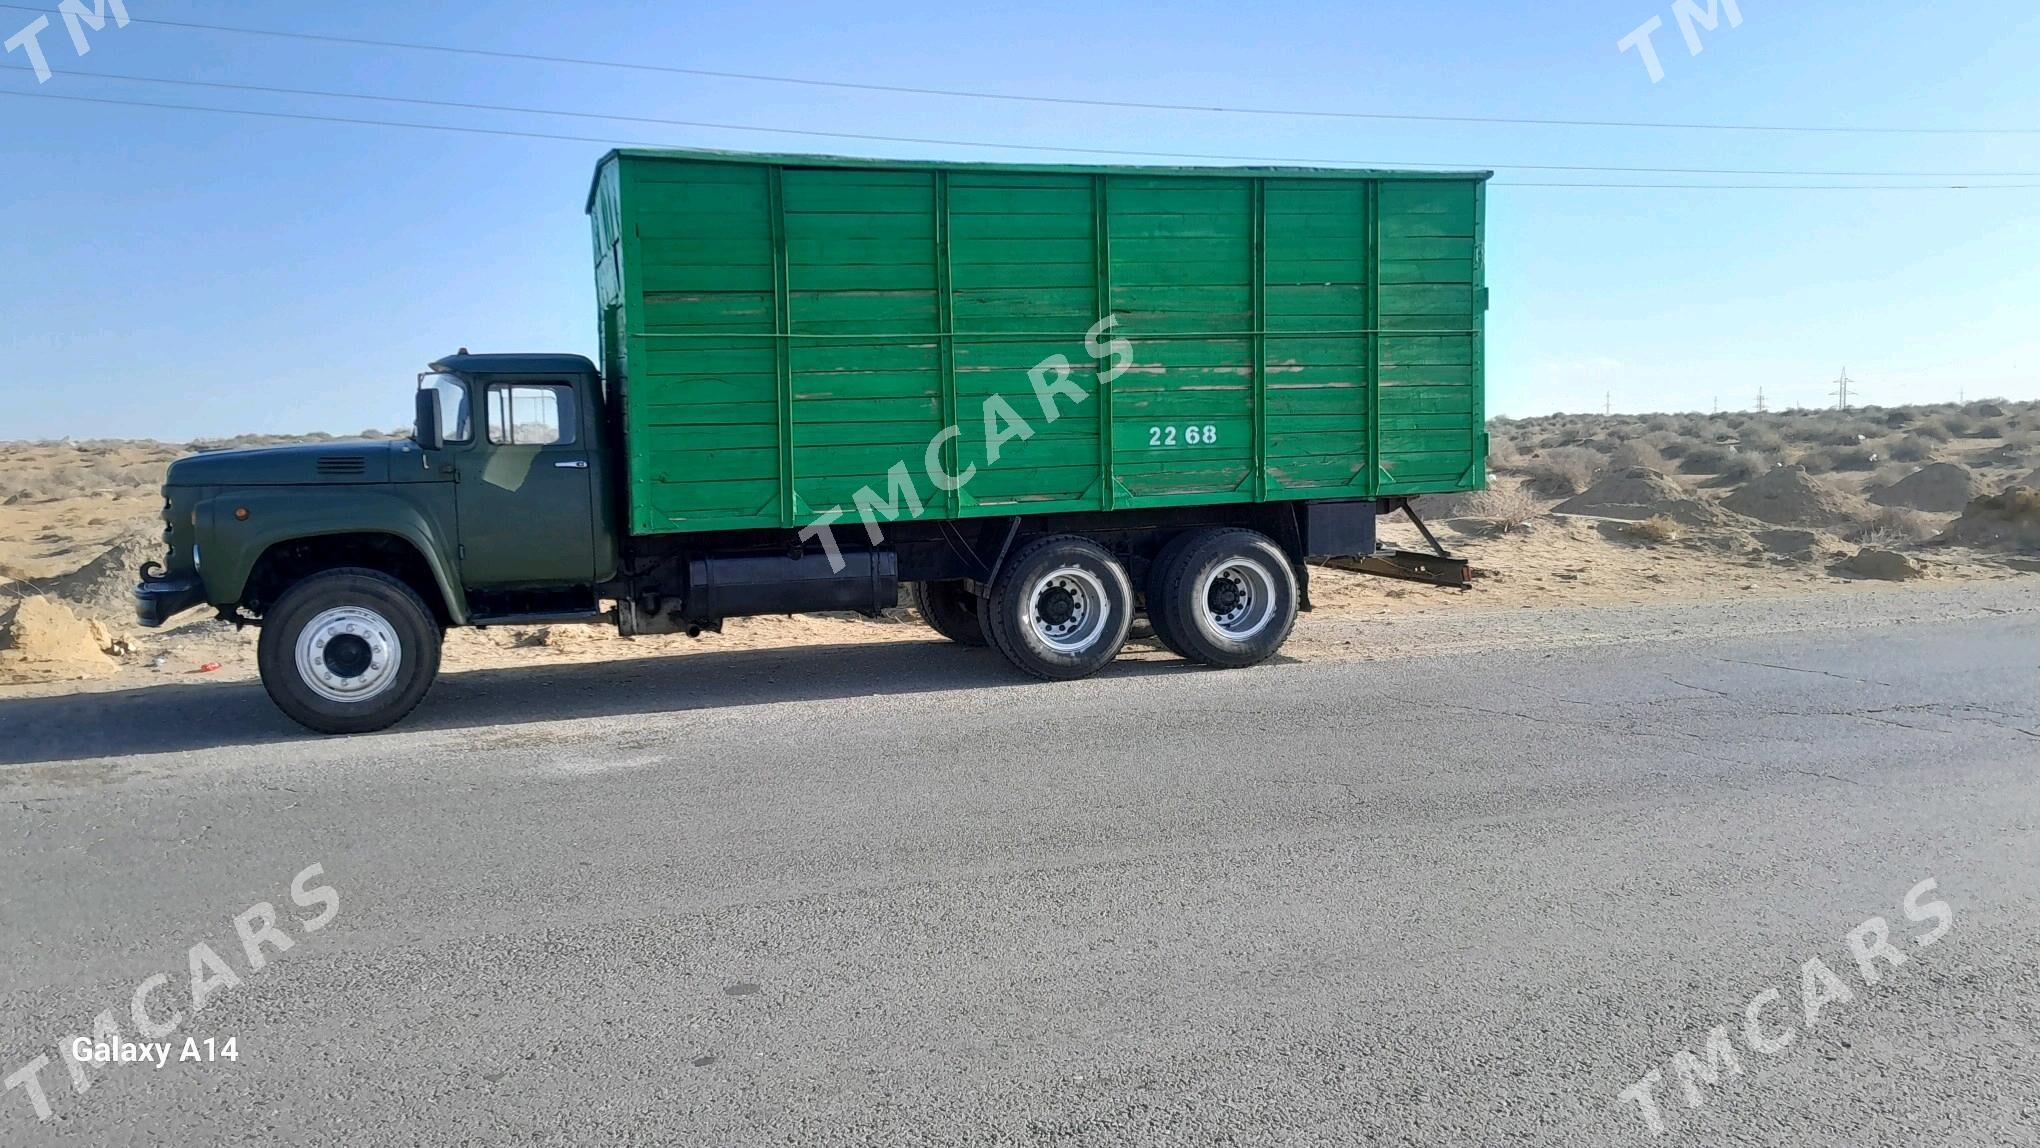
(1206, 435)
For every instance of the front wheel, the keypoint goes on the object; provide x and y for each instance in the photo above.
(1061, 608)
(348, 651)
(1225, 597)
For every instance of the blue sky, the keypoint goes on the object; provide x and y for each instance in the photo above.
(174, 274)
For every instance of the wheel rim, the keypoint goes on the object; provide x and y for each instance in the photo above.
(1239, 598)
(349, 654)
(1068, 609)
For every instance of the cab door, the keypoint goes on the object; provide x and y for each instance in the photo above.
(526, 496)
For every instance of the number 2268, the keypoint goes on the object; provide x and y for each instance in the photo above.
(1204, 435)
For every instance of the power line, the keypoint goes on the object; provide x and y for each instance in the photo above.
(1315, 160)
(1779, 186)
(1133, 105)
(613, 142)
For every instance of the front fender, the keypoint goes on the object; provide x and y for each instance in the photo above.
(230, 543)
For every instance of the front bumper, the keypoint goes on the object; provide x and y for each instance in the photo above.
(159, 596)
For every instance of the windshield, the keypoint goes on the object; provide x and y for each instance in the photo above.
(453, 404)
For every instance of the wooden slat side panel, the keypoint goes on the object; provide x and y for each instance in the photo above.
(1318, 281)
(1182, 274)
(1430, 420)
(866, 351)
(1021, 256)
(702, 417)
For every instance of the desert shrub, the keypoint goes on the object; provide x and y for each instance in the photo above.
(1893, 526)
(1990, 428)
(1763, 438)
(1859, 458)
(1503, 453)
(1563, 471)
(1899, 417)
(1743, 466)
(2026, 439)
(1706, 459)
(1912, 448)
(1657, 528)
(1635, 453)
(1955, 423)
(1890, 474)
(1504, 508)
(1933, 431)
(1671, 445)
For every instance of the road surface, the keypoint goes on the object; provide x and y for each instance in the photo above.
(887, 895)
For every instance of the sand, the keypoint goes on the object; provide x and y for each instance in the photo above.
(1641, 493)
(1939, 487)
(41, 640)
(1789, 496)
(2008, 521)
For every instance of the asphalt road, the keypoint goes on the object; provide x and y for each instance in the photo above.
(887, 896)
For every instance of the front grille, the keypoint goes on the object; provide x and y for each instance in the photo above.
(344, 464)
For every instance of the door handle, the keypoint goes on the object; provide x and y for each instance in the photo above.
(573, 464)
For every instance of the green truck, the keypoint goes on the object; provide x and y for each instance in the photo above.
(1043, 399)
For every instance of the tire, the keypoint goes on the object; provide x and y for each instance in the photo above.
(348, 622)
(1060, 609)
(1229, 596)
(951, 610)
(1155, 593)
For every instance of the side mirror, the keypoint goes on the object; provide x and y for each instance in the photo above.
(427, 430)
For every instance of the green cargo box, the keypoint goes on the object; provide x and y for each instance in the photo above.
(784, 330)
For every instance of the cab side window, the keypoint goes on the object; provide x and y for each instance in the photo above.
(528, 414)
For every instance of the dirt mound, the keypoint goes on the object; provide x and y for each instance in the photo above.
(1788, 496)
(41, 640)
(2009, 521)
(1789, 542)
(1882, 565)
(1941, 487)
(1638, 494)
(105, 586)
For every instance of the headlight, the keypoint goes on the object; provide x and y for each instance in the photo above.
(196, 564)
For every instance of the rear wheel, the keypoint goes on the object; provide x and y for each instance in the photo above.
(348, 651)
(1060, 609)
(1226, 597)
(951, 610)
(1157, 618)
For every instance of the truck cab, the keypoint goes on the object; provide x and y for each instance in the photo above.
(522, 439)
(355, 556)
